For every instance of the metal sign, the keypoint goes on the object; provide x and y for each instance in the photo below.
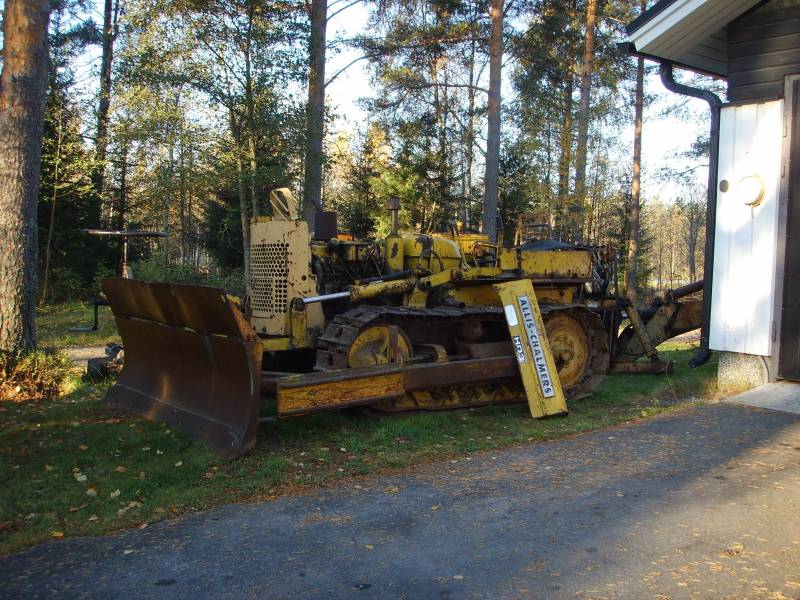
(537, 349)
(536, 365)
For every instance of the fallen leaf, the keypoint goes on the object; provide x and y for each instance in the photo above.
(80, 477)
(91, 492)
(435, 508)
(369, 546)
(57, 534)
(48, 468)
(179, 463)
(114, 494)
(392, 489)
(83, 447)
(459, 577)
(120, 469)
(93, 518)
(127, 551)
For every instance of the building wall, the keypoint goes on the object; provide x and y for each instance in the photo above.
(763, 47)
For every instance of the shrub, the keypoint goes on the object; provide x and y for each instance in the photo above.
(100, 273)
(232, 281)
(65, 286)
(38, 374)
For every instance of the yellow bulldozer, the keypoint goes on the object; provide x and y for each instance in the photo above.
(410, 322)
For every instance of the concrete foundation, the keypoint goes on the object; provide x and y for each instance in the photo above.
(742, 371)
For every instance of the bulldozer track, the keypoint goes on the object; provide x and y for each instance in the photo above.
(341, 332)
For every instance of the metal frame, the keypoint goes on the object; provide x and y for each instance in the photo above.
(783, 224)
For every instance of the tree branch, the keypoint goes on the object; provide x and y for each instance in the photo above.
(344, 68)
(344, 8)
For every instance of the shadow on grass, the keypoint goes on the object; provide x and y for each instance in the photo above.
(72, 466)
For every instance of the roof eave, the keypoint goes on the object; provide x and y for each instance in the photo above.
(630, 49)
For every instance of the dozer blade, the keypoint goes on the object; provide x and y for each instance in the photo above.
(191, 360)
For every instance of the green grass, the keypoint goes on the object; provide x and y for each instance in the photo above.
(54, 321)
(52, 452)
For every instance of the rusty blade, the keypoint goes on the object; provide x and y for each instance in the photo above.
(191, 360)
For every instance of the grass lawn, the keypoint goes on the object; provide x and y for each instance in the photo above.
(71, 466)
(52, 323)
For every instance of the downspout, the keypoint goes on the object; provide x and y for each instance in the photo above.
(715, 105)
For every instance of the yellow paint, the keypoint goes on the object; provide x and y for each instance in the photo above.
(434, 253)
(280, 254)
(381, 288)
(470, 244)
(374, 347)
(458, 396)
(394, 254)
(555, 264)
(333, 394)
(484, 295)
(536, 364)
(563, 295)
(277, 344)
(508, 259)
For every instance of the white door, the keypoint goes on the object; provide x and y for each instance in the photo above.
(743, 291)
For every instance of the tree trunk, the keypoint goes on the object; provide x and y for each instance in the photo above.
(493, 116)
(315, 111)
(251, 123)
(167, 200)
(565, 160)
(636, 185)
(579, 205)
(244, 212)
(470, 145)
(123, 206)
(182, 196)
(110, 12)
(23, 89)
(51, 224)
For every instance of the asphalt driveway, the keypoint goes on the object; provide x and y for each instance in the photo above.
(702, 503)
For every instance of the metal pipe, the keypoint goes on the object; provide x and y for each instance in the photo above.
(686, 290)
(326, 297)
(390, 277)
(714, 105)
(393, 206)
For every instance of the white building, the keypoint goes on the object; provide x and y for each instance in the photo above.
(752, 289)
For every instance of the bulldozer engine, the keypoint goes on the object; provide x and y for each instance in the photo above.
(411, 322)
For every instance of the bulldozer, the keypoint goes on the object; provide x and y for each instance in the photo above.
(410, 322)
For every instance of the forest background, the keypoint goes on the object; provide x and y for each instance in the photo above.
(182, 115)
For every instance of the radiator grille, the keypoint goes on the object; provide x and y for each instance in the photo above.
(269, 270)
